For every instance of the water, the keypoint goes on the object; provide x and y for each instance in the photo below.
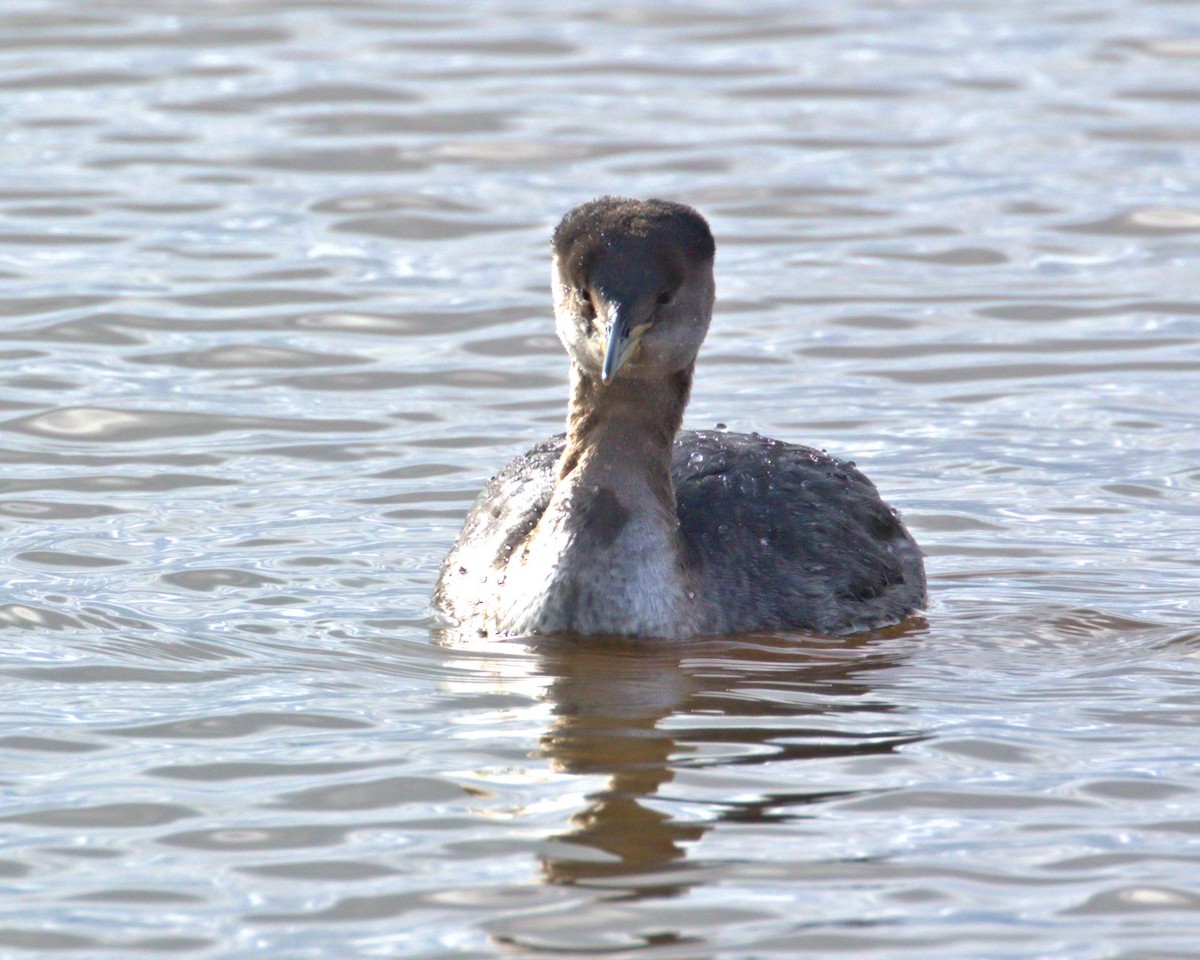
(273, 300)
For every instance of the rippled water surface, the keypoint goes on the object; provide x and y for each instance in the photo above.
(273, 305)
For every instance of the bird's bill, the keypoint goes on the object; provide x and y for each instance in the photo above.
(621, 341)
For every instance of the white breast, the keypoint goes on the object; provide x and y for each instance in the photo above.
(562, 582)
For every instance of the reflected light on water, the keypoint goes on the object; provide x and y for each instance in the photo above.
(273, 306)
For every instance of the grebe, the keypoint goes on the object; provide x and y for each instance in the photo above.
(626, 525)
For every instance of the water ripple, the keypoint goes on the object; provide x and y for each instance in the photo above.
(274, 308)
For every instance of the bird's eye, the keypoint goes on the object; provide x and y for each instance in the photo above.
(585, 302)
(665, 297)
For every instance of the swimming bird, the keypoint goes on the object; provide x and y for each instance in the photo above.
(627, 525)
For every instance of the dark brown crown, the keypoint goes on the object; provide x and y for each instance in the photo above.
(646, 231)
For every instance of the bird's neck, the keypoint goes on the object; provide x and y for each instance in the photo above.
(607, 555)
(619, 435)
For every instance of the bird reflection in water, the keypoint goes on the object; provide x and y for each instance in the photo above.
(640, 712)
